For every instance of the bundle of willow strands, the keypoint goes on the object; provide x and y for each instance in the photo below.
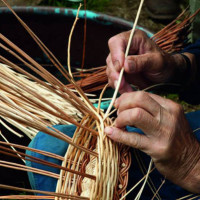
(90, 83)
(94, 166)
(15, 93)
(172, 38)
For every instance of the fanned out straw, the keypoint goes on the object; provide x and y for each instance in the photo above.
(90, 169)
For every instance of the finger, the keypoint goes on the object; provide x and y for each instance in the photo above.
(139, 99)
(139, 118)
(113, 76)
(117, 46)
(112, 72)
(115, 65)
(141, 43)
(143, 63)
(132, 139)
(125, 87)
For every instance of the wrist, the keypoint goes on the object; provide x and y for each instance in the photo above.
(188, 172)
(183, 67)
(192, 181)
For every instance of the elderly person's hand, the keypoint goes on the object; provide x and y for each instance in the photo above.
(168, 138)
(146, 64)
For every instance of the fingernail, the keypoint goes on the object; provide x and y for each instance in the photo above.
(108, 130)
(116, 103)
(115, 83)
(130, 65)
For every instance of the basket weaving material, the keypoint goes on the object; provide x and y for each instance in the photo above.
(94, 167)
(110, 167)
(107, 168)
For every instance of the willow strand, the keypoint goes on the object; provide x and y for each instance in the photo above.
(126, 54)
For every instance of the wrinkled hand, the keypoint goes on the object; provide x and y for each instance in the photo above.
(168, 138)
(147, 63)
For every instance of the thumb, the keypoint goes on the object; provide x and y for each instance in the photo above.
(144, 62)
(132, 139)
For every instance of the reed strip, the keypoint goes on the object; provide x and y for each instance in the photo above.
(135, 185)
(195, 197)
(84, 36)
(45, 153)
(69, 42)
(40, 161)
(43, 192)
(185, 197)
(12, 147)
(126, 54)
(145, 181)
(39, 125)
(26, 197)
(25, 168)
(10, 129)
(79, 90)
(48, 53)
(163, 182)
(144, 171)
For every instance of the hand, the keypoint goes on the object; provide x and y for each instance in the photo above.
(147, 63)
(168, 137)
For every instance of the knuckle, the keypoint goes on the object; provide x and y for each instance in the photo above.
(136, 115)
(178, 109)
(140, 32)
(119, 135)
(108, 60)
(148, 46)
(136, 142)
(112, 40)
(141, 35)
(141, 95)
(107, 71)
(125, 95)
(110, 83)
(161, 150)
(117, 121)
